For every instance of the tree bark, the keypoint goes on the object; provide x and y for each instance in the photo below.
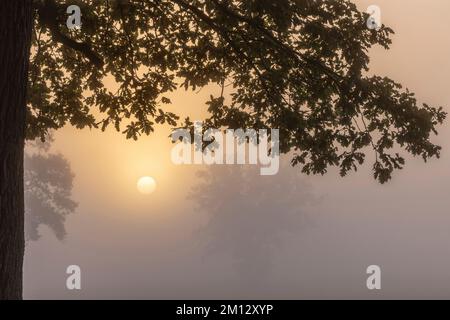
(16, 19)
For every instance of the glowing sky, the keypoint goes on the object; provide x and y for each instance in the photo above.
(130, 246)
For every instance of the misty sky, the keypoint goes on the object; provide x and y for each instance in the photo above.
(227, 232)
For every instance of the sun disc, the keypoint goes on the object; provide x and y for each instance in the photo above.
(146, 185)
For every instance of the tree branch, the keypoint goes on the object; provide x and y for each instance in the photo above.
(48, 17)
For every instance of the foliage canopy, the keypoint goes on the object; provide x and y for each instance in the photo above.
(297, 65)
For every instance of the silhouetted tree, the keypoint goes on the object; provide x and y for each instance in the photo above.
(250, 216)
(296, 65)
(48, 190)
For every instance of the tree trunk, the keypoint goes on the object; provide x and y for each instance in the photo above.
(16, 18)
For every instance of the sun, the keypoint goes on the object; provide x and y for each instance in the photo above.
(146, 185)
